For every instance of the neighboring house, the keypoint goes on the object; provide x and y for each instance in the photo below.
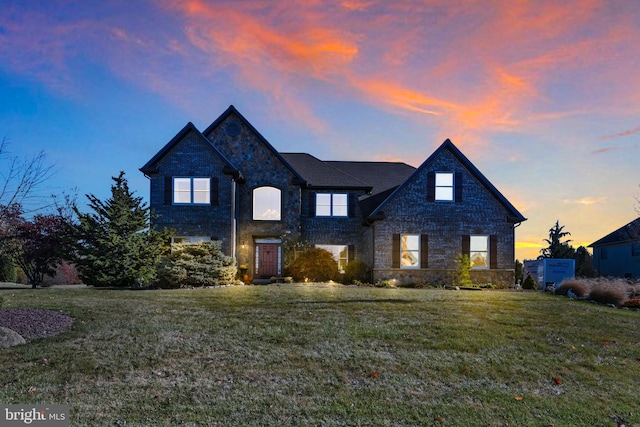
(618, 254)
(229, 183)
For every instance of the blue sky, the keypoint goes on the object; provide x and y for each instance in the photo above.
(542, 96)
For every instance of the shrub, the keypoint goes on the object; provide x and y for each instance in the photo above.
(314, 265)
(614, 292)
(529, 283)
(464, 271)
(7, 269)
(196, 265)
(355, 271)
(580, 288)
(633, 303)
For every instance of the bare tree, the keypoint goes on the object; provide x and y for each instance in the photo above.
(21, 178)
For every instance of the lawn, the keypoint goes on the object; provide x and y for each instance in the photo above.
(328, 356)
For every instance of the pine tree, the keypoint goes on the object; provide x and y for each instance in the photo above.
(557, 248)
(115, 244)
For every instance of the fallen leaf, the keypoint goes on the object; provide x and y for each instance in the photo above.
(438, 419)
(557, 380)
(518, 398)
(32, 389)
(374, 374)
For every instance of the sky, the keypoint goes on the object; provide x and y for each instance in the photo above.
(542, 96)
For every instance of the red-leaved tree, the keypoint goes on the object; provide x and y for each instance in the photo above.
(36, 245)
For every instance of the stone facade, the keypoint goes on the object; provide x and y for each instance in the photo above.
(239, 160)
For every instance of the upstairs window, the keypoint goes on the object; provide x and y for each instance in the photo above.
(267, 204)
(332, 204)
(192, 191)
(444, 186)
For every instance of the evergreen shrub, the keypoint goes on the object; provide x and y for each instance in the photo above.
(355, 271)
(8, 271)
(196, 265)
(529, 283)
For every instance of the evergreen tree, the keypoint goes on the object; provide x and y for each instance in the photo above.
(558, 248)
(584, 263)
(115, 244)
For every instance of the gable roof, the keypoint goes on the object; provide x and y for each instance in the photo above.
(151, 166)
(627, 233)
(514, 215)
(299, 180)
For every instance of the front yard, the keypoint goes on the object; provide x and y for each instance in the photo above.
(328, 355)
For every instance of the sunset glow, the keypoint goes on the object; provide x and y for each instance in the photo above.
(542, 96)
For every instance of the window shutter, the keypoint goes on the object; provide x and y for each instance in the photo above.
(351, 205)
(493, 251)
(457, 183)
(431, 186)
(168, 190)
(424, 251)
(312, 204)
(395, 251)
(351, 252)
(215, 191)
(466, 245)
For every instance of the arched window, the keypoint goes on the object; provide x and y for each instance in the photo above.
(267, 204)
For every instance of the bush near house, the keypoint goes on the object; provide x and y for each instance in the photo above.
(196, 265)
(355, 271)
(314, 265)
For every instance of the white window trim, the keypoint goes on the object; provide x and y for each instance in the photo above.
(412, 251)
(336, 253)
(255, 217)
(487, 254)
(192, 190)
(332, 205)
(448, 187)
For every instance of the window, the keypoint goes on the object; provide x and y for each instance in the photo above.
(331, 204)
(266, 204)
(410, 251)
(444, 186)
(194, 191)
(479, 251)
(339, 254)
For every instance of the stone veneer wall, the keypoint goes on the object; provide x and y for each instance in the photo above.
(445, 224)
(192, 158)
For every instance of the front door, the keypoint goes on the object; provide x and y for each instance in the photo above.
(267, 257)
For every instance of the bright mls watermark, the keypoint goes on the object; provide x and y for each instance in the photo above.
(34, 415)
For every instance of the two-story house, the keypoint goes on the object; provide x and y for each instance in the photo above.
(618, 253)
(229, 183)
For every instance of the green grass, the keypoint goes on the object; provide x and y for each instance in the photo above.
(328, 356)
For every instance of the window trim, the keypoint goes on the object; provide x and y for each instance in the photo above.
(332, 205)
(253, 204)
(451, 187)
(330, 248)
(487, 252)
(416, 252)
(192, 190)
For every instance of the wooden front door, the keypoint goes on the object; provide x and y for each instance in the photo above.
(267, 256)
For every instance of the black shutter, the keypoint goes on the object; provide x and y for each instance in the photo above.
(395, 251)
(215, 191)
(466, 245)
(431, 186)
(424, 251)
(312, 204)
(493, 251)
(168, 190)
(351, 205)
(457, 183)
(351, 252)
